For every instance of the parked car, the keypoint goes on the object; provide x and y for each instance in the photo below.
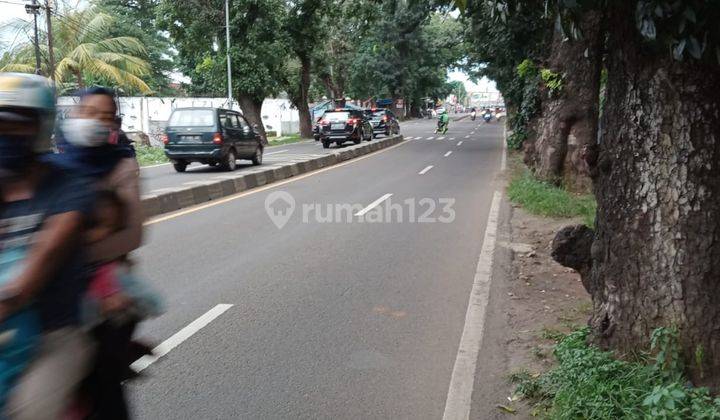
(341, 125)
(383, 121)
(212, 136)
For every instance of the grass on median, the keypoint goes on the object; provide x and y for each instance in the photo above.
(548, 200)
(589, 383)
(150, 155)
(292, 138)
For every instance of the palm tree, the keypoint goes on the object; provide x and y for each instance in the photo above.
(83, 50)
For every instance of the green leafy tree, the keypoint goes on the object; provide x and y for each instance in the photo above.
(409, 53)
(655, 259)
(138, 19)
(85, 50)
(258, 48)
(305, 30)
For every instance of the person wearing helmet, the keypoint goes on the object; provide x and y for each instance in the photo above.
(443, 121)
(42, 212)
(90, 144)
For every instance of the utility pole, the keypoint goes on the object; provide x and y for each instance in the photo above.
(34, 9)
(51, 54)
(227, 53)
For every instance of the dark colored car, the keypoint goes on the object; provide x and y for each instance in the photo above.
(212, 136)
(383, 121)
(341, 125)
(316, 127)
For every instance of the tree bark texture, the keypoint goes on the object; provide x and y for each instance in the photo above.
(656, 253)
(569, 121)
(251, 109)
(303, 106)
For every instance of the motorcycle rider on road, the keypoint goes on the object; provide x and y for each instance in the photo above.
(42, 213)
(443, 121)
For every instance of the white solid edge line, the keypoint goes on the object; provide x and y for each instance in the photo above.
(448, 153)
(373, 205)
(503, 162)
(460, 143)
(176, 339)
(424, 171)
(459, 398)
(279, 151)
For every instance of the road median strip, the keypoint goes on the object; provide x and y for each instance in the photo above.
(198, 192)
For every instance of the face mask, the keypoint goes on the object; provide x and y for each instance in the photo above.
(83, 132)
(16, 154)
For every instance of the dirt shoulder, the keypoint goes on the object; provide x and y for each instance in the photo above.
(532, 300)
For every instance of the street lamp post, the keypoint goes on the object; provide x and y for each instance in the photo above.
(227, 53)
(34, 9)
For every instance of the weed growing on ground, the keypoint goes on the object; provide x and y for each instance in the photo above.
(548, 200)
(590, 383)
(149, 155)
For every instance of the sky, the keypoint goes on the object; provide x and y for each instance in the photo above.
(11, 10)
(483, 85)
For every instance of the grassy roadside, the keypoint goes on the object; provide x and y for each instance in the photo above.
(558, 373)
(589, 383)
(277, 141)
(544, 199)
(149, 155)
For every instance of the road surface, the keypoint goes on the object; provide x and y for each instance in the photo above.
(323, 318)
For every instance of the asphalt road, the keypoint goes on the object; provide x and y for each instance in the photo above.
(331, 320)
(159, 177)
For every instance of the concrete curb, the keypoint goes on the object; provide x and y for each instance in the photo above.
(199, 192)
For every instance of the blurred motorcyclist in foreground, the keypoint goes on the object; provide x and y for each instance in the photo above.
(91, 144)
(42, 213)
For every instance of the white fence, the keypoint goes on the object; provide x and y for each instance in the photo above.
(150, 115)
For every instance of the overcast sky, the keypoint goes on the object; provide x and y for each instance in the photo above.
(12, 10)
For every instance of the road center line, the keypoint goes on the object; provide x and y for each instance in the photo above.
(176, 339)
(441, 138)
(460, 143)
(424, 171)
(459, 398)
(467, 137)
(373, 205)
(430, 138)
(448, 153)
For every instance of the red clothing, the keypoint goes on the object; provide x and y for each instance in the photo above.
(104, 283)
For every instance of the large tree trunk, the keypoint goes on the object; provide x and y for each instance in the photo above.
(656, 254)
(302, 105)
(251, 109)
(570, 119)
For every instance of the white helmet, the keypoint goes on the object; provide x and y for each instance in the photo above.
(22, 93)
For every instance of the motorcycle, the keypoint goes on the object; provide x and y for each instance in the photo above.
(442, 127)
(472, 116)
(487, 118)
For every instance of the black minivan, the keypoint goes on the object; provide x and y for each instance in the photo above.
(212, 136)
